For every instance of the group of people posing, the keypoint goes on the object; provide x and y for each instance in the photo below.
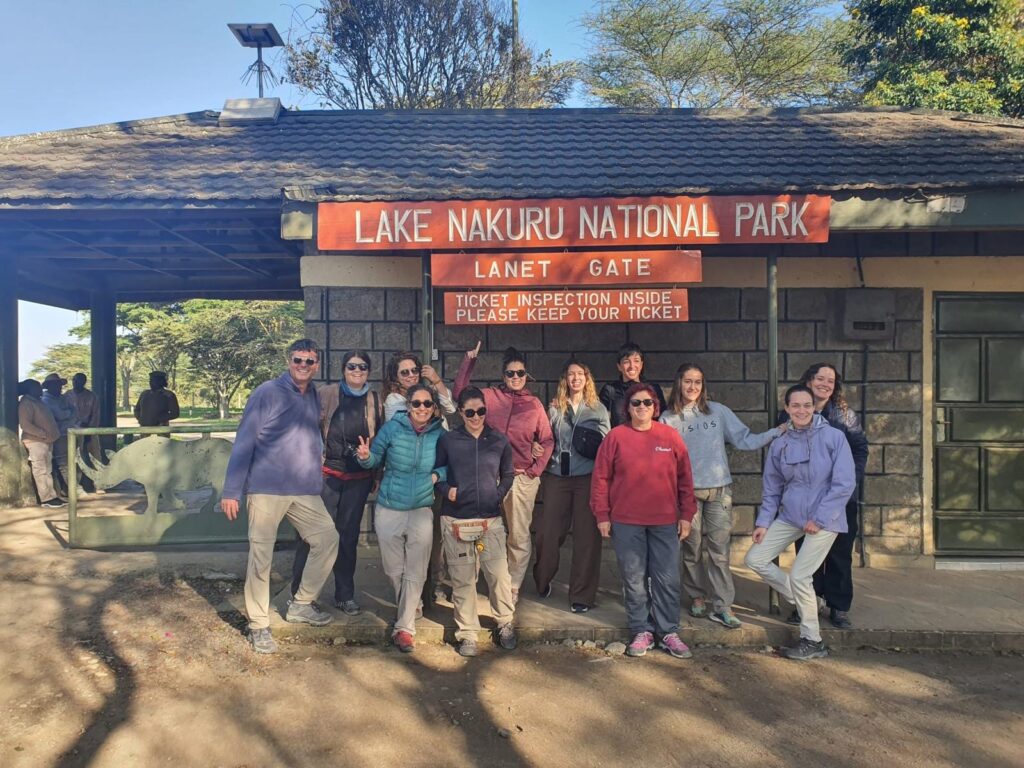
(620, 464)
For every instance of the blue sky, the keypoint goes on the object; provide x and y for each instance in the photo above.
(67, 64)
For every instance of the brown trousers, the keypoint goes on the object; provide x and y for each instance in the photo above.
(567, 505)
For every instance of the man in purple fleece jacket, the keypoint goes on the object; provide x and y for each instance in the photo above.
(276, 461)
(808, 478)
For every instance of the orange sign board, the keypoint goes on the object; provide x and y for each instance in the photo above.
(618, 305)
(562, 268)
(572, 222)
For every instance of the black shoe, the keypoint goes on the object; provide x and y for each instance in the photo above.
(579, 607)
(840, 619)
(806, 649)
(544, 594)
(794, 618)
(54, 503)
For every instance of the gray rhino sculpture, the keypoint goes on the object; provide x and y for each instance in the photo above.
(164, 466)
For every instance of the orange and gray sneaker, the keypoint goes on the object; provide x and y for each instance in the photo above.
(404, 642)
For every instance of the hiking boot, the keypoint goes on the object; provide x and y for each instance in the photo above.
(794, 618)
(467, 648)
(840, 619)
(261, 641)
(54, 503)
(507, 637)
(579, 607)
(307, 613)
(642, 642)
(403, 641)
(675, 646)
(806, 649)
(348, 607)
(727, 619)
(698, 608)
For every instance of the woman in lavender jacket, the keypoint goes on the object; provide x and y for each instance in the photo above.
(808, 478)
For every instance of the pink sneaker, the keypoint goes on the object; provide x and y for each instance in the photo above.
(676, 647)
(643, 642)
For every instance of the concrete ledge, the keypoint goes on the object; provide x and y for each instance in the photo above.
(875, 560)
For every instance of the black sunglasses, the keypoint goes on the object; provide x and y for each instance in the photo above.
(515, 374)
(421, 403)
(409, 372)
(645, 402)
(303, 361)
(469, 413)
(356, 367)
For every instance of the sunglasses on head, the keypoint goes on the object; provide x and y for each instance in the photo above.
(515, 374)
(421, 403)
(356, 367)
(409, 372)
(303, 361)
(469, 413)
(646, 402)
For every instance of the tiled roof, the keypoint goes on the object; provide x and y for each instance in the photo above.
(193, 160)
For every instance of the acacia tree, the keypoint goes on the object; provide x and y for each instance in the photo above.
(232, 343)
(714, 53)
(421, 54)
(962, 55)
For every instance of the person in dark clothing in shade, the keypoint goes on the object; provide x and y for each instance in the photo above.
(479, 472)
(833, 581)
(349, 410)
(631, 368)
(157, 406)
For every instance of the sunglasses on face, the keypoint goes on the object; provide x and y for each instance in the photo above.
(356, 367)
(421, 403)
(515, 374)
(303, 361)
(469, 413)
(646, 403)
(409, 372)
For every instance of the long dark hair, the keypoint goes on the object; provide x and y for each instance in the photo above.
(837, 399)
(677, 400)
(391, 383)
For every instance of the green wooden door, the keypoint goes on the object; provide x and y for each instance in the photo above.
(979, 424)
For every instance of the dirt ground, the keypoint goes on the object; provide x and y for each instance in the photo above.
(108, 669)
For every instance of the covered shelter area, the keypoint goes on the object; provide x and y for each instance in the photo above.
(913, 289)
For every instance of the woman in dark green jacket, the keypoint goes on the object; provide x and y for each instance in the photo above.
(403, 519)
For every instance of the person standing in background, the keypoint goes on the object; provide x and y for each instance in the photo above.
(157, 406)
(38, 434)
(88, 407)
(62, 406)
(631, 368)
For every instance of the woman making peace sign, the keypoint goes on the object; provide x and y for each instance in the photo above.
(404, 518)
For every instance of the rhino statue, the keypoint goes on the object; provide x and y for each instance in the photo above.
(165, 466)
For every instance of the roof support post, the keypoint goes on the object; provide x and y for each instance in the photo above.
(103, 338)
(15, 480)
(772, 282)
(9, 350)
(427, 313)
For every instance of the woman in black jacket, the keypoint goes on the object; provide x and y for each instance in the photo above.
(833, 581)
(479, 474)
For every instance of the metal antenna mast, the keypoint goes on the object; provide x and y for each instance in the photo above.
(258, 36)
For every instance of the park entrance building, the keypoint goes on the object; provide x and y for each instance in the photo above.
(916, 292)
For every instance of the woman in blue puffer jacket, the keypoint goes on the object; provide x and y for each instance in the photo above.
(404, 523)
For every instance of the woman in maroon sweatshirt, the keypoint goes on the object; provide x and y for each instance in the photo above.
(521, 417)
(641, 493)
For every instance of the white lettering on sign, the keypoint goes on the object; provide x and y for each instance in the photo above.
(770, 220)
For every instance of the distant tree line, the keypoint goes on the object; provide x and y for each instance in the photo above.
(212, 351)
(962, 55)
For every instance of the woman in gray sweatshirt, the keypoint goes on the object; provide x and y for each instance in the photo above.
(706, 427)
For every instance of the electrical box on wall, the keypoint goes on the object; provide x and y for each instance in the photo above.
(868, 314)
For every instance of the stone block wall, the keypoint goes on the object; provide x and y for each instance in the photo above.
(727, 336)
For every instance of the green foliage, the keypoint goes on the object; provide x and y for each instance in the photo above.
(714, 53)
(421, 54)
(213, 350)
(961, 55)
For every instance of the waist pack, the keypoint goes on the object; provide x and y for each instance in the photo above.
(586, 441)
(470, 530)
